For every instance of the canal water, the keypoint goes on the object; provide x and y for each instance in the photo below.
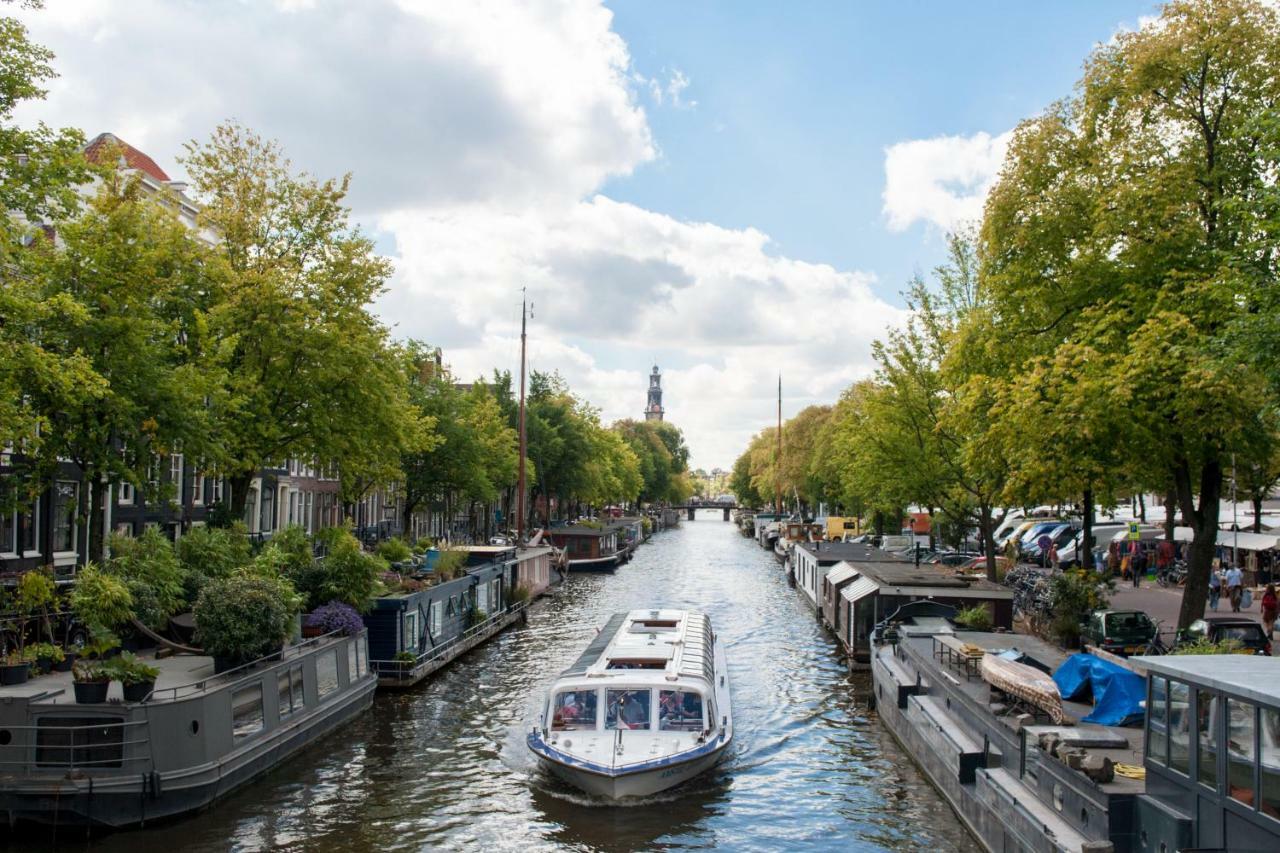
(444, 766)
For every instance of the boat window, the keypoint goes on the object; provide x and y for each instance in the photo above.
(79, 742)
(1241, 743)
(437, 617)
(353, 659)
(574, 710)
(627, 709)
(289, 682)
(679, 711)
(246, 712)
(637, 663)
(1157, 731)
(1270, 735)
(362, 657)
(1207, 714)
(1179, 726)
(326, 672)
(643, 625)
(411, 631)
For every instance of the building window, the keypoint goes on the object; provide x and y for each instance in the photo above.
(124, 494)
(175, 473)
(1241, 749)
(153, 473)
(1207, 713)
(290, 687)
(8, 527)
(197, 489)
(326, 672)
(66, 498)
(217, 490)
(29, 529)
(246, 712)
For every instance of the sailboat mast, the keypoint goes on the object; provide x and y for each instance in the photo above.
(777, 465)
(520, 484)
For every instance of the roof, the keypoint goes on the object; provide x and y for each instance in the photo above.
(98, 147)
(841, 573)
(580, 530)
(849, 552)
(860, 588)
(927, 579)
(1248, 676)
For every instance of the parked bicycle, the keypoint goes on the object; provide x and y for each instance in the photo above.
(1175, 575)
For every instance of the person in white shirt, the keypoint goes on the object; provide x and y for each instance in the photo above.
(1235, 587)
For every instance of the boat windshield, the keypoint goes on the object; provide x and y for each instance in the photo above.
(679, 711)
(628, 709)
(574, 710)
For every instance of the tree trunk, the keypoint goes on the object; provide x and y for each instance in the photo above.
(1257, 513)
(1170, 505)
(407, 515)
(1086, 540)
(1142, 508)
(239, 484)
(1204, 526)
(986, 529)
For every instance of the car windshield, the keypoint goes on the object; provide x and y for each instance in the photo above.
(1128, 623)
(1242, 633)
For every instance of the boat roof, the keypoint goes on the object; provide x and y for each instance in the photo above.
(1250, 677)
(581, 530)
(655, 646)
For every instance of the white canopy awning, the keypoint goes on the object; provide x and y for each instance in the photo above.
(1248, 541)
(842, 572)
(859, 589)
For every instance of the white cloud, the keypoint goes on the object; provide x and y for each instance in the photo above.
(479, 135)
(942, 181)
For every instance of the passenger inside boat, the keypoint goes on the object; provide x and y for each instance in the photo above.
(628, 709)
(679, 711)
(574, 710)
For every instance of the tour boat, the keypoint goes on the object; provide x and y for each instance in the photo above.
(644, 708)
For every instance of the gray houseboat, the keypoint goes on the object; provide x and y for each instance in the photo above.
(197, 737)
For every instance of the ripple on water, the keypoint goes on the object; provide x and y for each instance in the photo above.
(445, 765)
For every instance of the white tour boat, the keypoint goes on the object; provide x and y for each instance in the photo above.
(644, 708)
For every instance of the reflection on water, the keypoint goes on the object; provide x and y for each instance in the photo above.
(445, 765)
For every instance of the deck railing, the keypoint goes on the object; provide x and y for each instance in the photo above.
(32, 754)
(405, 669)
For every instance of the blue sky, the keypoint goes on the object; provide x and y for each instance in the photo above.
(732, 189)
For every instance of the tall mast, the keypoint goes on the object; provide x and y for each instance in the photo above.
(777, 465)
(520, 485)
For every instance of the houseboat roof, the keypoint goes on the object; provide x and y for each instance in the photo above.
(849, 552)
(580, 530)
(1247, 676)
(649, 645)
(925, 579)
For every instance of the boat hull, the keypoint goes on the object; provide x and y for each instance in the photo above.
(645, 781)
(595, 564)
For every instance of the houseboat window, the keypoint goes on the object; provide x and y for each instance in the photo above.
(1241, 743)
(627, 709)
(1270, 736)
(453, 605)
(326, 672)
(574, 710)
(436, 620)
(289, 682)
(1180, 727)
(362, 656)
(411, 631)
(79, 742)
(1207, 714)
(1157, 722)
(679, 711)
(246, 712)
(353, 658)
(482, 598)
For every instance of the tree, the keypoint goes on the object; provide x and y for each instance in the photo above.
(308, 371)
(1128, 219)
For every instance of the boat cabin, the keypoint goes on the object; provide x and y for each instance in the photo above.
(646, 670)
(582, 542)
(1212, 753)
(812, 560)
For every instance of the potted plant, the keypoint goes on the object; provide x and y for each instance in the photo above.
(137, 678)
(91, 681)
(243, 617)
(405, 662)
(14, 668)
(335, 616)
(46, 656)
(68, 659)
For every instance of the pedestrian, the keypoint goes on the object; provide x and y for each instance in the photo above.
(1235, 587)
(1113, 561)
(1164, 556)
(1269, 607)
(1053, 555)
(1126, 565)
(1215, 588)
(1139, 566)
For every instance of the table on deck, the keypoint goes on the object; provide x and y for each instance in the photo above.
(951, 650)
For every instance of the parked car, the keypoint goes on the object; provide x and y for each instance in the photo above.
(1069, 554)
(1243, 630)
(952, 558)
(979, 564)
(1033, 533)
(1121, 632)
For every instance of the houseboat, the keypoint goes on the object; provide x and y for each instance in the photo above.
(794, 532)
(422, 627)
(588, 548)
(644, 708)
(1208, 748)
(195, 738)
(810, 562)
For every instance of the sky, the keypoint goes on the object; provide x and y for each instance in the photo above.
(730, 190)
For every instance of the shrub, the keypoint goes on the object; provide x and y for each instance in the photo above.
(1203, 646)
(128, 668)
(394, 550)
(349, 574)
(211, 552)
(423, 545)
(35, 594)
(48, 650)
(1073, 595)
(294, 549)
(101, 601)
(336, 616)
(976, 618)
(244, 616)
(450, 564)
(150, 569)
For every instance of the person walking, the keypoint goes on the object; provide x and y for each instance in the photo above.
(1053, 556)
(1235, 587)
(1138, 565)
(1215, 588)
(1269, 607)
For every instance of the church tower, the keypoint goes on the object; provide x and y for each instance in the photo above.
(653, 411)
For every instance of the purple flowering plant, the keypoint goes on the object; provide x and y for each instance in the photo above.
(336, 616)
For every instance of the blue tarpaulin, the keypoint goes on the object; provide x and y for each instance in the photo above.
(1117, 693)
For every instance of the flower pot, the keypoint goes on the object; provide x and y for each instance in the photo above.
(222, 664)
(15, 673)
(64, 665)
(44, 664)
(138, 691)
(311, 631)
(91, 692)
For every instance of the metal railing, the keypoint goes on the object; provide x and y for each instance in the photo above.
(232, 677)
(405, 669)
(32, 752)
